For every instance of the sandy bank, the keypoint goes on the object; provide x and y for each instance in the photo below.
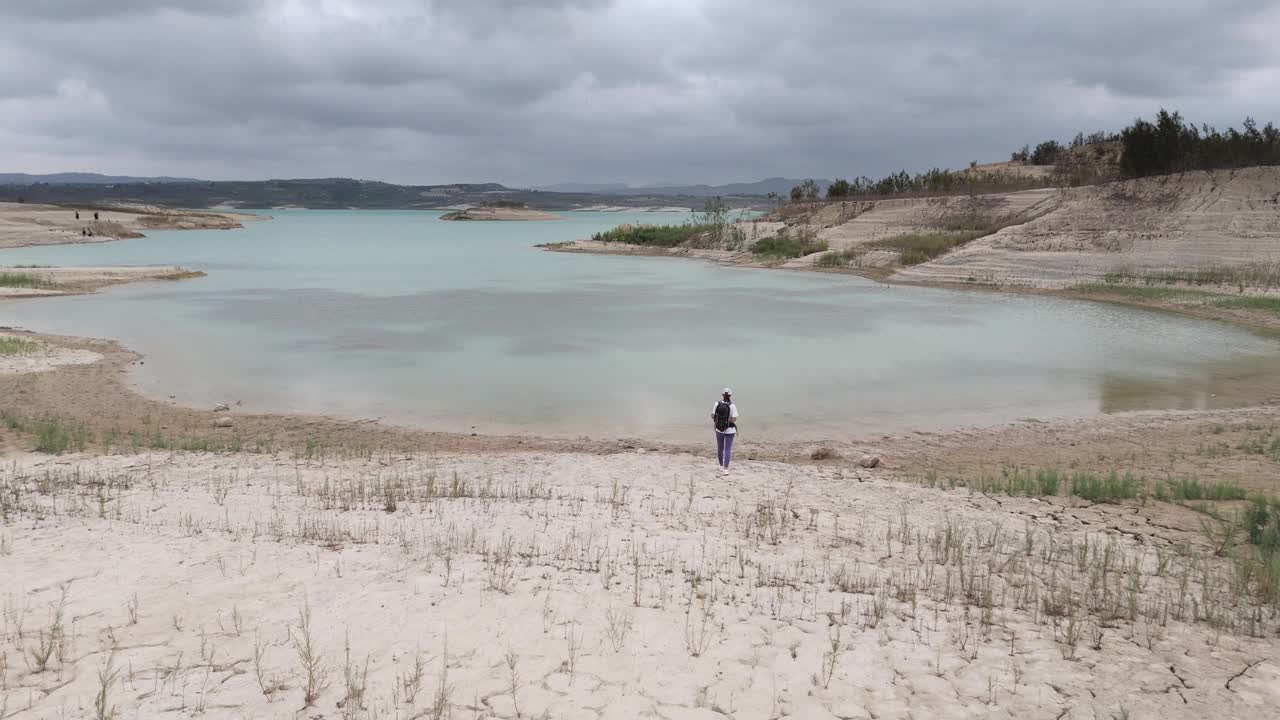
(498, 213)
(48, 281)
(633, 584)
(23, 224)
(32, 356)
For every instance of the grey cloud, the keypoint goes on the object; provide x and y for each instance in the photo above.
(83, 10)
(528, 91)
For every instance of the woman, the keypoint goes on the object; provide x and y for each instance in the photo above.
(725, 417)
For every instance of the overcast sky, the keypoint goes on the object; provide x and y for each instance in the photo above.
(530, 92)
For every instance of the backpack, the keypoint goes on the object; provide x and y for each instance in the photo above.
(722, 416)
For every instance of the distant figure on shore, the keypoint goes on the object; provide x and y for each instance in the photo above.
(95, 215)
(77, 214)
(725, 417)
(82, 232)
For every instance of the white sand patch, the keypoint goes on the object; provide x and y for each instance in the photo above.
(42, 357)
(623, 586)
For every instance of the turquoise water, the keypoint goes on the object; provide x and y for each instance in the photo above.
(455, 325)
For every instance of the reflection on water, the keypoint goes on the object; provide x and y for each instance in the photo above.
(453, 325)
(1211, 385)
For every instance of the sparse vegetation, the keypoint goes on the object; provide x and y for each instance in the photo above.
(916, 248)
(1182, 295)
(850, 257)
(991, 587)
(788, 243)
(314, 669)
(26, 281)
(18, 346)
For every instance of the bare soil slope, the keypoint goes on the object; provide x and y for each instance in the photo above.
(876, 220)
(1191, 221)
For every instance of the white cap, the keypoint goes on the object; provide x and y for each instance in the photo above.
(726, 391)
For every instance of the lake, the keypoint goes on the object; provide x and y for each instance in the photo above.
(461, 325)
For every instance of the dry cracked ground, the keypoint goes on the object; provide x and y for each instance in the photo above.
(564, 585)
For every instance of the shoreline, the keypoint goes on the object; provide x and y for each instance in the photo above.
(35, 225)
(66, 280)
(99, 397)
(497, 214)
(1255, 320)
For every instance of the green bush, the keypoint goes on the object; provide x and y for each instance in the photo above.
(787, 244)
(652, 235)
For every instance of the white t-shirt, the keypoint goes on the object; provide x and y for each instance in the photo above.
(733, 416)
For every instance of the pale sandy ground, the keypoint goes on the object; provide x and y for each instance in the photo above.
(72, 280)
(42, 356)
(624, 586)
(498, 213)
(24, 224)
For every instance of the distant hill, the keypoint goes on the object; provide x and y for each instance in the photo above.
(576, 187)
(779, 185)
(330, 193)
(84, 179)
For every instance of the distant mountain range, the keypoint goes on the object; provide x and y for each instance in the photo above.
(326, 193)
(778, 185)
(74, 178)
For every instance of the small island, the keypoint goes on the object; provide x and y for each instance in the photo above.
(499, 210)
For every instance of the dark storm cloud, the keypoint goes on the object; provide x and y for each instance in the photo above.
(528, 91)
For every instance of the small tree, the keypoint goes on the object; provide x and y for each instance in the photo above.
(714, 215)
(1021, 155)
(797, 194)
(1046, 153)
(839, 188)
(810, 189)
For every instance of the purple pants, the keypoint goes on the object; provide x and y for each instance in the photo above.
(724, 447)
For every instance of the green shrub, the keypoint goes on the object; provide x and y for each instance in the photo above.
(652, 235)
(787, 244)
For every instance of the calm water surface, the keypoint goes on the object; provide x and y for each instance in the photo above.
(452, 325)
